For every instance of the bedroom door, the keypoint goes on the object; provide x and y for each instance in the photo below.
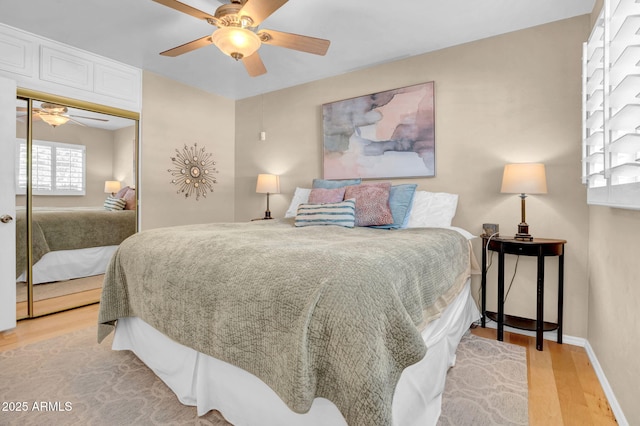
(7, 204)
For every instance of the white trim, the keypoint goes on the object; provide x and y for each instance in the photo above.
(584, 343)
(606, 387)
(547, 335)
(45, 65)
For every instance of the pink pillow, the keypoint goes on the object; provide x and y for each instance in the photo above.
(120, 194)
(323, 196)
(130, 198)
(372, 203)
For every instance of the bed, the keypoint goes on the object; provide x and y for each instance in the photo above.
(275, 324)
(70, 243)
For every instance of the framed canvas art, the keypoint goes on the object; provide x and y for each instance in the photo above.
(382, 135)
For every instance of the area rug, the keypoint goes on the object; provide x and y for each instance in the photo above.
(487, 386)
(72, 380)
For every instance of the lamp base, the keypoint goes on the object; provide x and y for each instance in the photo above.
(523, 232)
(523, 237)
(267, 215)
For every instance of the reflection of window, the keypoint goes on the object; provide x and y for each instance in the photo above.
(58, 168)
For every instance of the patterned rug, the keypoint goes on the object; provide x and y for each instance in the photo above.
(487, 386)
(71, 380)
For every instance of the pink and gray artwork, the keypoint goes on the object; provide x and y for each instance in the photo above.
(382, 135)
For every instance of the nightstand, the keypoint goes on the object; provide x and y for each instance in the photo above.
(541, 248)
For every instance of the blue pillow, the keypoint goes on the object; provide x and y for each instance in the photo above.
(341, 214)
(400, 201)
(332, 184)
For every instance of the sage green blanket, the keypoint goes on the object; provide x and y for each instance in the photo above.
(313, 312)
(70, 229)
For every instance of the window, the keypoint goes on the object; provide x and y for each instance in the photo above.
(611, 107)
(58, 168)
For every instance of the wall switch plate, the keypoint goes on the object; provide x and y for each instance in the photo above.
(491, 229)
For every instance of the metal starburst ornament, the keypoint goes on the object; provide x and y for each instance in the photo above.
(193, 172)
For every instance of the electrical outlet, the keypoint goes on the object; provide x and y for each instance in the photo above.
(491, 229)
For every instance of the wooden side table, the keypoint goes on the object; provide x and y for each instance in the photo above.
(541, 248)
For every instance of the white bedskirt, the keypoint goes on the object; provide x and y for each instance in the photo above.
(244, 400)
(61, 265)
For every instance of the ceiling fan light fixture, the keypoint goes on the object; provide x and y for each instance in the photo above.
(54, 120)
(236, 42)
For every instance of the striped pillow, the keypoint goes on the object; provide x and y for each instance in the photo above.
(113, 203)
(341, 214)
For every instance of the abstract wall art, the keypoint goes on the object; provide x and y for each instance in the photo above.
(389, 134)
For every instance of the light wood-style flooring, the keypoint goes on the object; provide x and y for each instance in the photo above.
(563, 387)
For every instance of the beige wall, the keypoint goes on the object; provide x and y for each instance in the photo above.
(175, 115)
(124, 156)
(511, 98)
(614, 301)
(614, 297)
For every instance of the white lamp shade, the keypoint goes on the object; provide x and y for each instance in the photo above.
(111, 186)
(236, 42)
(524, 178)
(268, 184)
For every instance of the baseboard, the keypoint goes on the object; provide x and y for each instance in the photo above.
(547, 335)
(584, 343)
(606, 387)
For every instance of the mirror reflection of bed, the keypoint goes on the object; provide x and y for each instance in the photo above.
(74, 230)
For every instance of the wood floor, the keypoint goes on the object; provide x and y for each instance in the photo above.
(563, 388)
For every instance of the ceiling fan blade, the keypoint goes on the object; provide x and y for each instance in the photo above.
(76, 121)
(259, 10)
(254, 65)
(188, 47)
(317, 46)
(184, 8)
(22, 109)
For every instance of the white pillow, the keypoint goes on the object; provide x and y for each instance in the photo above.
(432, 209)
(300, 196)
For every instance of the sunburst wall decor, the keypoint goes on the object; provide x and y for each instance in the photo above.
(193, 171)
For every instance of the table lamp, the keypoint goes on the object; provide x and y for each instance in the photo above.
(111, 187)
(523, 179)
(268, 184)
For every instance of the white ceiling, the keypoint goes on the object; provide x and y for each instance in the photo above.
(362, 33)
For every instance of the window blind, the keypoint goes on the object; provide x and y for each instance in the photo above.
(57, 168)
(611, 107)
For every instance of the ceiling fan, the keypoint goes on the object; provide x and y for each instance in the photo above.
(238, 35)
(56, 115)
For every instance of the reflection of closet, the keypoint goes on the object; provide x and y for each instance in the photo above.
(64, 234)
(87, 84)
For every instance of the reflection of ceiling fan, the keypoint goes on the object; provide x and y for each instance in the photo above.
(238, 35)
(56, 115)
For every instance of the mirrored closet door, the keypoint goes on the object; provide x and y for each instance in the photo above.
(76, 199)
